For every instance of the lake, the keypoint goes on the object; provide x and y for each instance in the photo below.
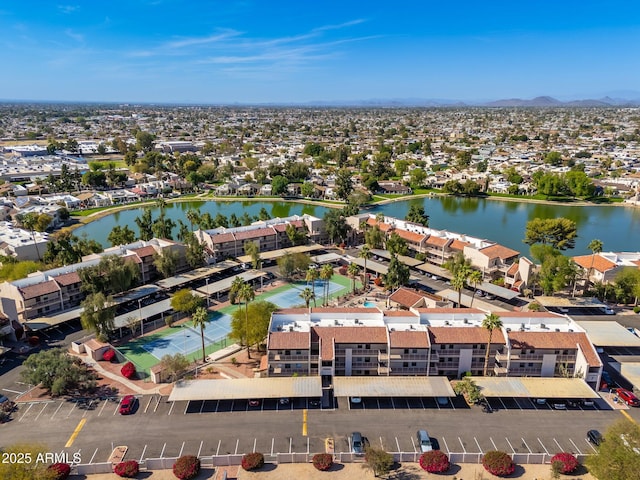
(501, 221)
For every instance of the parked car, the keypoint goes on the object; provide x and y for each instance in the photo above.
(127, 404)
(356, 400)
(314, 402)
(541, 401)
(254, 402)
(588, 402)
(595, 437)
(424, 441)
(628, 397)
(3, 399)
(442, 400)
(357, 446)
(559, 405)
(608, 311)
(284, 401)
(486, 407)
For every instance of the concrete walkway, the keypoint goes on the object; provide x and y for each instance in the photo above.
(119, 378)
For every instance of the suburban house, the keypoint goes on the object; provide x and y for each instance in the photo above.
(604, 266)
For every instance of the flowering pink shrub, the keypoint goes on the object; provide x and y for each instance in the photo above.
(186, 467)
(322, 461)
(127, 469)
(252, 461)
(128, 370)
(109, 355)
(498, 463)
(434, 461)
(569, 462)
(61, 470)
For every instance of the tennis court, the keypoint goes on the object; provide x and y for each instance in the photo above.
(291, 296)
(188, 340)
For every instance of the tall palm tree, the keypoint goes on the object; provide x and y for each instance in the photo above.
(246, 295)
(490, 322)
(193, 216)
(352, 271)
(236, 286)
(326, 272)
(312, 276)
(365, 254)
(595, 246)
(307, 295)
(474, 279)
(161, 203)
(29, 221)
(457, 283)
(200, 318)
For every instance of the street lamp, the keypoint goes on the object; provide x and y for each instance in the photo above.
(140, 315)
(207, 280)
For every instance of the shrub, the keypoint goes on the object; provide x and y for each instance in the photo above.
(434, 461)
(33, 340)
(128, 370)
(498, 463)
(186, 467)
(342, 270)
(568, 461)
(322, 461)
(252, 461)
(109, 355)
(378, 282)
(127, 469)
(636, 309)
(61, 471)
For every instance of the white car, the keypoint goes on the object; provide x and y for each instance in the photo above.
(356, 400)
(608, 311)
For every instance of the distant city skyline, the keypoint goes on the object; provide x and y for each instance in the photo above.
(169, 51)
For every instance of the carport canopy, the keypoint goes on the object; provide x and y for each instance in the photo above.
(631, 371)
(498, 291)
(609, 334)
(538, 387)
(392, 387)
(245, 388)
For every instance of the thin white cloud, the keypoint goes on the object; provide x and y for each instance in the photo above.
(68, 9)
(78, 37)
(339, 25)
(189, 42)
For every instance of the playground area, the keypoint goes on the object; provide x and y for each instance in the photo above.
(146, 351)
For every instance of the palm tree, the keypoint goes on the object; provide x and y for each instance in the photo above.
(29, 221)
(458, 282)
(490, 322)
(595, 246)
(365, 254)
(194, 217)
(307, 295)
(326, 272)
(353, 273)
(246, 294)
(161, 203)
(475, 279)
(312, 276)
(236, 286)
(200, 318)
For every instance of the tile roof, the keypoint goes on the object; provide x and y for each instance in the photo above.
(464, 335)
(458, 245)
(406, 297)
(289, 340)
(257, 233)
(600, 263)
(513, 269)
(555, 341)
(385, 227)
(409, 339)
(147, 251)
(437, 241)
(43, 288)
(449, 310)
(410, 236)
(499, 251)
(67, 278)
(399, 313)
(222, 238)
(362, 335)
(344, 310)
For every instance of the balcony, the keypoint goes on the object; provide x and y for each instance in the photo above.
(383, 370)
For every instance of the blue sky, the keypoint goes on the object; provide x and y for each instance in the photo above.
(313, 50)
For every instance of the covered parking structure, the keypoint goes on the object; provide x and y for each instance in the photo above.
(225, 284)
(273, 254)
(246, 388)
(434, 270)
(534, 387)
(410, 261)
(392, 387)
(194, 275)
(498, 291)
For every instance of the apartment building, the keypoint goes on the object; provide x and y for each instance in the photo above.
(21, 244)
(604, 266)
(426, 341)
(221, 243)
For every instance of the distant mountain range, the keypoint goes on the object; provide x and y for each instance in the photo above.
(544, 101)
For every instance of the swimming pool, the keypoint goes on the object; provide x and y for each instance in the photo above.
(368, 304)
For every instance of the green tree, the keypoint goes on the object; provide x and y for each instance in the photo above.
(417, 177)
(195, 254)
(263, 214)
(58, 372)
(474, 278)
(186, 302)
(417, 215)
(166, 263)
(556, 272)
(307, 295)
(253, 250)
(336, 225)
(627, 285)
(490, 323)
(396, 245)
(308, 189)
(458, 263)
(255, 331)
(193, 217)
(30, 221)
(616, 458)
(344, 184)
(144, 141)
(175, 365)
(295, 236)
(246, 295)
(98, 315)
(112, 275)
(560, 232)
(145, 224)
(397, 274)
(378, 461)
(121, 235)
(237, 285)
(200, 318)
(326, 274)
(467, 387)
(311, 276)
(279, 185)
(553, 158)
(374, 237)
(353, 271)
(365, 254)
(595, 246)
(458, 282)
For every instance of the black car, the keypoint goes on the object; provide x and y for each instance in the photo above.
(595, 437)
(486, 408)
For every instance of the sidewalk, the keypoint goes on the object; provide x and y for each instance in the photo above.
(119, 379)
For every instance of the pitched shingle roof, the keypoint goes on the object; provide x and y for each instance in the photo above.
(43, 288)
(67, 278)
(499, 251)
(406, 297)
(453, 335)
(409, 339)
(289, 340)
(600, 263)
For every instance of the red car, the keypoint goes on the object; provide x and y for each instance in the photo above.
(628, 397)
(127, 404)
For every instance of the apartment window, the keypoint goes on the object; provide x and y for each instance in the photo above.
(441, 360)
(474, 346)
(359, 347)
(368, 346)
(557, 352)
(450, 360)
(405, 364)
(287, 352)
(367, 359)
(298, 352)
(531, 364)
(483, 347)
(413, 364)
(532, 351)
(287, 365)
(406, 351)
(298, 365)
(415, 350)
(450, 347)
(565, 352)
(522, 365)
(442, 347)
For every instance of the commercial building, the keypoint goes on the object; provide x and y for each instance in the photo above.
(22, 244)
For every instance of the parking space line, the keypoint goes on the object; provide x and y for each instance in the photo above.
(393, 404)
(171, 409)
(513, 449)
(398, 444)
(446, 446)
(592, 447)
(576, 447)
(272, 441)
(102, 409)
(93, 456)
(54, 413)
(181, 449)
(503, 405)
(201, 407)
(237, 442)
(26, 411)
(479, 449)
(308, 446)
(423, 407)
(162, 452)
(199, 449)
(412, 443)
(117, 407)
(545, 448)
(145, 449)
(451, 402)
(255, 440)
(493, 443)
(464, 450)
(45, 406)
(290, 444)
(72, 409)
(525, 444)
(157, 403)
(148, 404)
(220, 442)
(187, 407)
(559, 446)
